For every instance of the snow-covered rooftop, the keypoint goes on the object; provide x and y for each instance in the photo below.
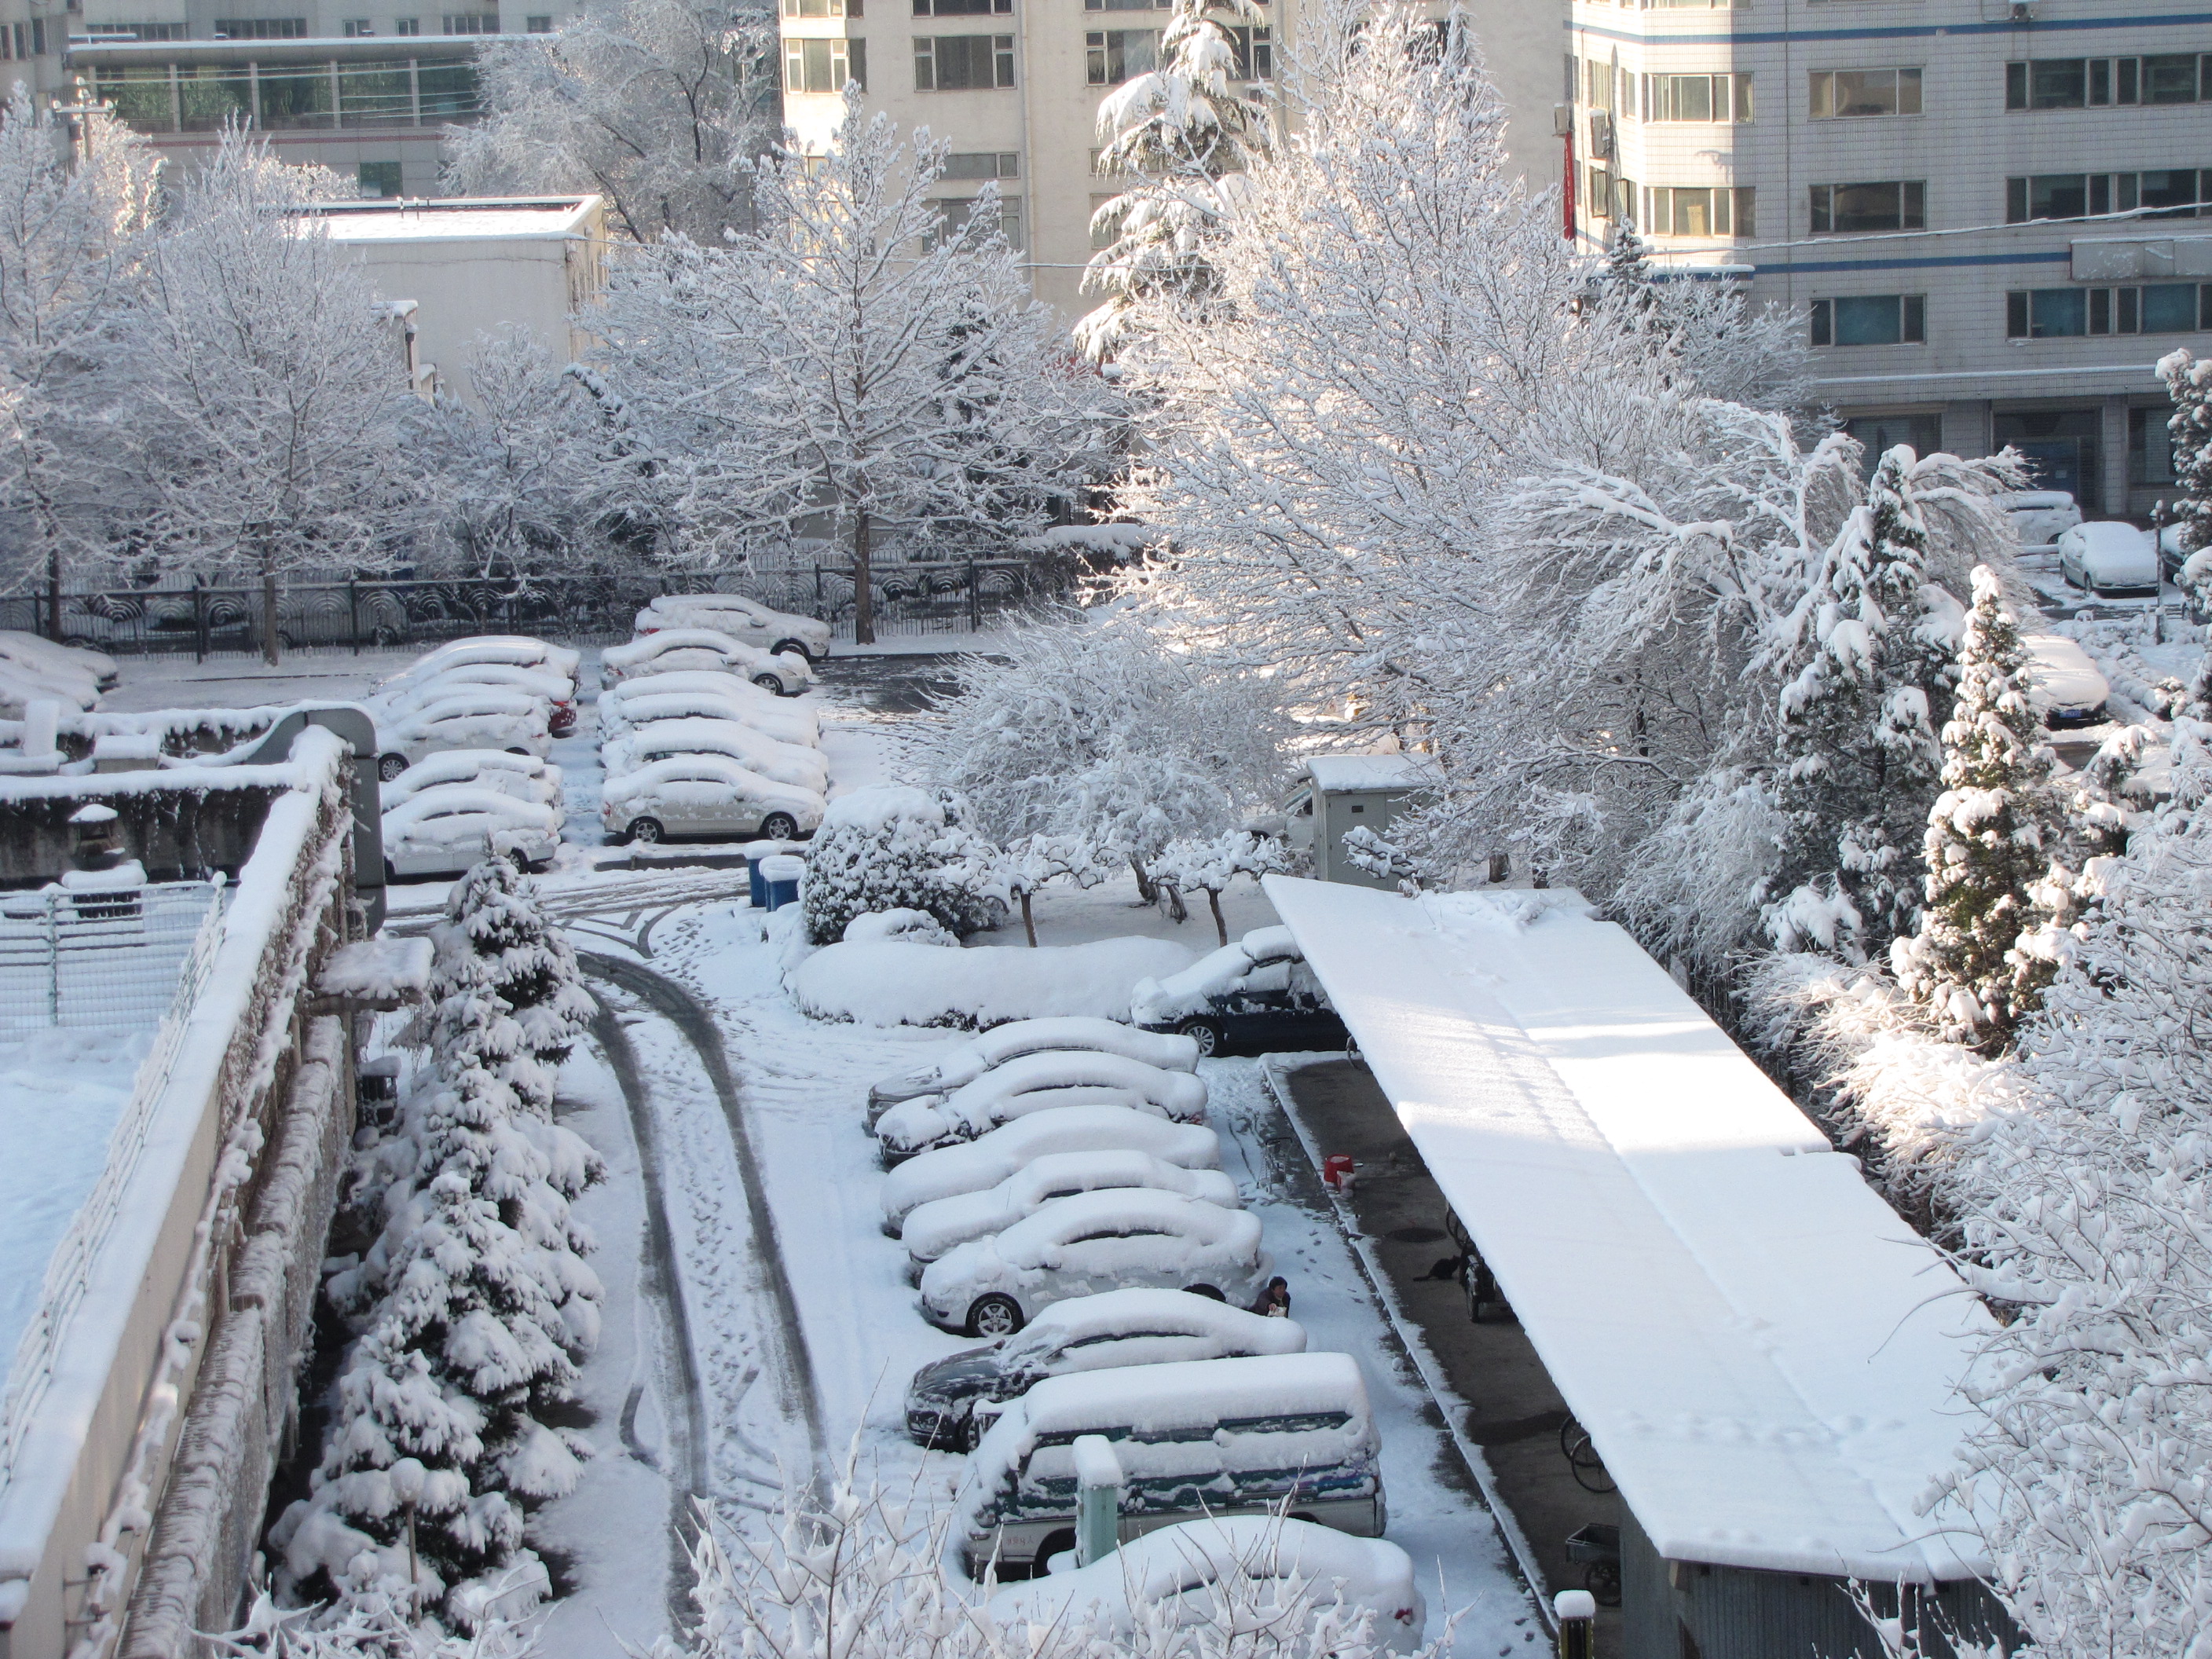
(1339, 772)
(448, 221)
(1764, 1353)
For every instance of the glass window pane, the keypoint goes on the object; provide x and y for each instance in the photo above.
(1869, 207)
(1866, 319)
(2055, 313)
(1693, 97)
(375, 94)
(140, 94)
(1866, 92)
(2169, 307)
(1908, 92)
(2173, 189)
(2059, 83)
(449, 91)
(2170, 79)
(2057, 196)
(212, 94)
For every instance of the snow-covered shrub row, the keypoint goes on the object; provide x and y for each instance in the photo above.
(473, 1302)
(892, 982)
(895, 848)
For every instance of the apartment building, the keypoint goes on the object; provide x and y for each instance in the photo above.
(364, 87)
(1992, 216)
(1013, 86)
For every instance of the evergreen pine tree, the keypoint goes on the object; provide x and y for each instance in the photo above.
(1986, 845)
(1857, 754)
(504, 990)
(2189, 383)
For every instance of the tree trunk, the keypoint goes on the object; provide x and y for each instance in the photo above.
(54, 594)
(1220, 925)
(1029, 925)
(1146, 895)
(269, 613)
(1176, 911)
(864, 591)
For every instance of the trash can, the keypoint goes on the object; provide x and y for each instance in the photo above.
(757, 883)
(780, 873)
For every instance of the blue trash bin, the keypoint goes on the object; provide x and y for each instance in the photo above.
(757, 883)
(782, 873)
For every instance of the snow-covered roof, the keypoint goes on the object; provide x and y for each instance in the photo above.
(452, 220)
(1764, 1353)
(1340, 772)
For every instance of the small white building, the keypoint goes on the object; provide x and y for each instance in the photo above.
(480, 265)
(1344, 793)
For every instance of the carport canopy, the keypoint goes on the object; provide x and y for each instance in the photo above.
(1765, 1355)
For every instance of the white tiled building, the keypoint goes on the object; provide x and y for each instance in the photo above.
(1014, 86)
(1985, 211)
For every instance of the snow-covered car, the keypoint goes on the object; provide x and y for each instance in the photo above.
(525, 777)
(48, 660)
(742, 618)
(2108, 557)
(951, 1402)
(1017, 1038)
(697, 696)
(2039, 517)
(21, 686)
(514, 650)
(705, 795)
(931, 1229)
(1254, 995)
(1123, 1238)
(556, 691)
(1037, 1083)
(480, 719)
(445, 830)
(785, 673)
(975, 1166)
(2064, 684)
(2172, 556)
(1175, 1578)
(755, 750)
(1270, 1435)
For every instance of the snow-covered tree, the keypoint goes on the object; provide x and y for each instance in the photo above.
(1034, 862)
(1710, 339)
(656, 104)
(1986, 849)
(1106, 734)
(856, 359)
(894, 848)
(1178, 132)
(72, 240)
(1211, 865)
(2189, 383)
(268, 395)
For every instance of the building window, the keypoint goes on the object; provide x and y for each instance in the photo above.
(2163, 193)
(823, 8)
(1697, 97)
(1673, 210)
(1607, 197)
(824, 65)
(961, 8)
(1880, 433)
(1105, 226)
(982, 164)
(471, 22)
(2150, 446)
(2183, 78)
(1842, 209)
(380, 179)
(1840, 94)
(537, 23)
(2057, 313)
(407, 26)
(1125, 5)
(955, 213)
(1859, 319)
(358, 28)
(962, 63)
(38, 37)
(99, 33)
(1113, 56)
(1256, 51)
(258, 28)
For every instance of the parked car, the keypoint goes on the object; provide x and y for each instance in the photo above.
(1277, 1433)
(2109, 558)
(705, 795)
(525, 777)
(2171, 555)
(1173, 1577)
(1120, 1239)
(785, 673)
(1036, 1083)
(556, 691)
(516, 650)
(932, 1229)
(785, 762)
(51, 661)
(2039, 517)
(741, 618)
(1254, 995)
(21, 686)
(480, 718)
(2064, 684)
(951, 1402)
(446, 830)
(974, 1166)
(1001, 1044)
(696, 696)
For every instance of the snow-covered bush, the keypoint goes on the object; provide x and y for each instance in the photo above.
(898, 848)
(914, 926)
(1209, 866)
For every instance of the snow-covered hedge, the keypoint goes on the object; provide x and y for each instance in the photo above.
(893, 848)
(894, 983)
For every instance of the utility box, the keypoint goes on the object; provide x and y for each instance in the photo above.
(1344, 793)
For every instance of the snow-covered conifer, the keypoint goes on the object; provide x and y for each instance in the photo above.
(1986, 845)
(504, 990)
(894, 848)
(2189, 383)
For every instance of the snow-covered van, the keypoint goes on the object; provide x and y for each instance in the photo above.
(1207, 1437)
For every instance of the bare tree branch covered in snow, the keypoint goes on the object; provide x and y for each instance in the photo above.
(656, 104)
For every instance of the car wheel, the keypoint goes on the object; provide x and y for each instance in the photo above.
(994, 1316)
(391, 872)
(389, 766)
(519, 751)
(1206, 1290)
(792, 646)
(779, 826)
(648, 831)
(769, 682)
(1207, 1034)
(1055, 1543)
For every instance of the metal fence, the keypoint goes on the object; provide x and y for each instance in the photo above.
(99, 957)
(943, 596)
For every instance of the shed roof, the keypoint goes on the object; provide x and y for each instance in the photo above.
(456, 219)
(1764, 1354)
(1399, 771)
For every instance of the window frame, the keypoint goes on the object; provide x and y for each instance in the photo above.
(1908, 314)
(1823, 81)
(1912, 207)
(999, 67)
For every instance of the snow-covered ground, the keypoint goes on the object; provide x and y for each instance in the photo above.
(61, 1093)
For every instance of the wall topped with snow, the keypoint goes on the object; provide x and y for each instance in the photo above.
(1764, 1354)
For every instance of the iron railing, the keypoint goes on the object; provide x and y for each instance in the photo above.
(97, 957)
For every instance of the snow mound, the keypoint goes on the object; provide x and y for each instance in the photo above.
(894, 984)
(914, 926)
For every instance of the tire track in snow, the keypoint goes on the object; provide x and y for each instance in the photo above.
(694, 1023)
